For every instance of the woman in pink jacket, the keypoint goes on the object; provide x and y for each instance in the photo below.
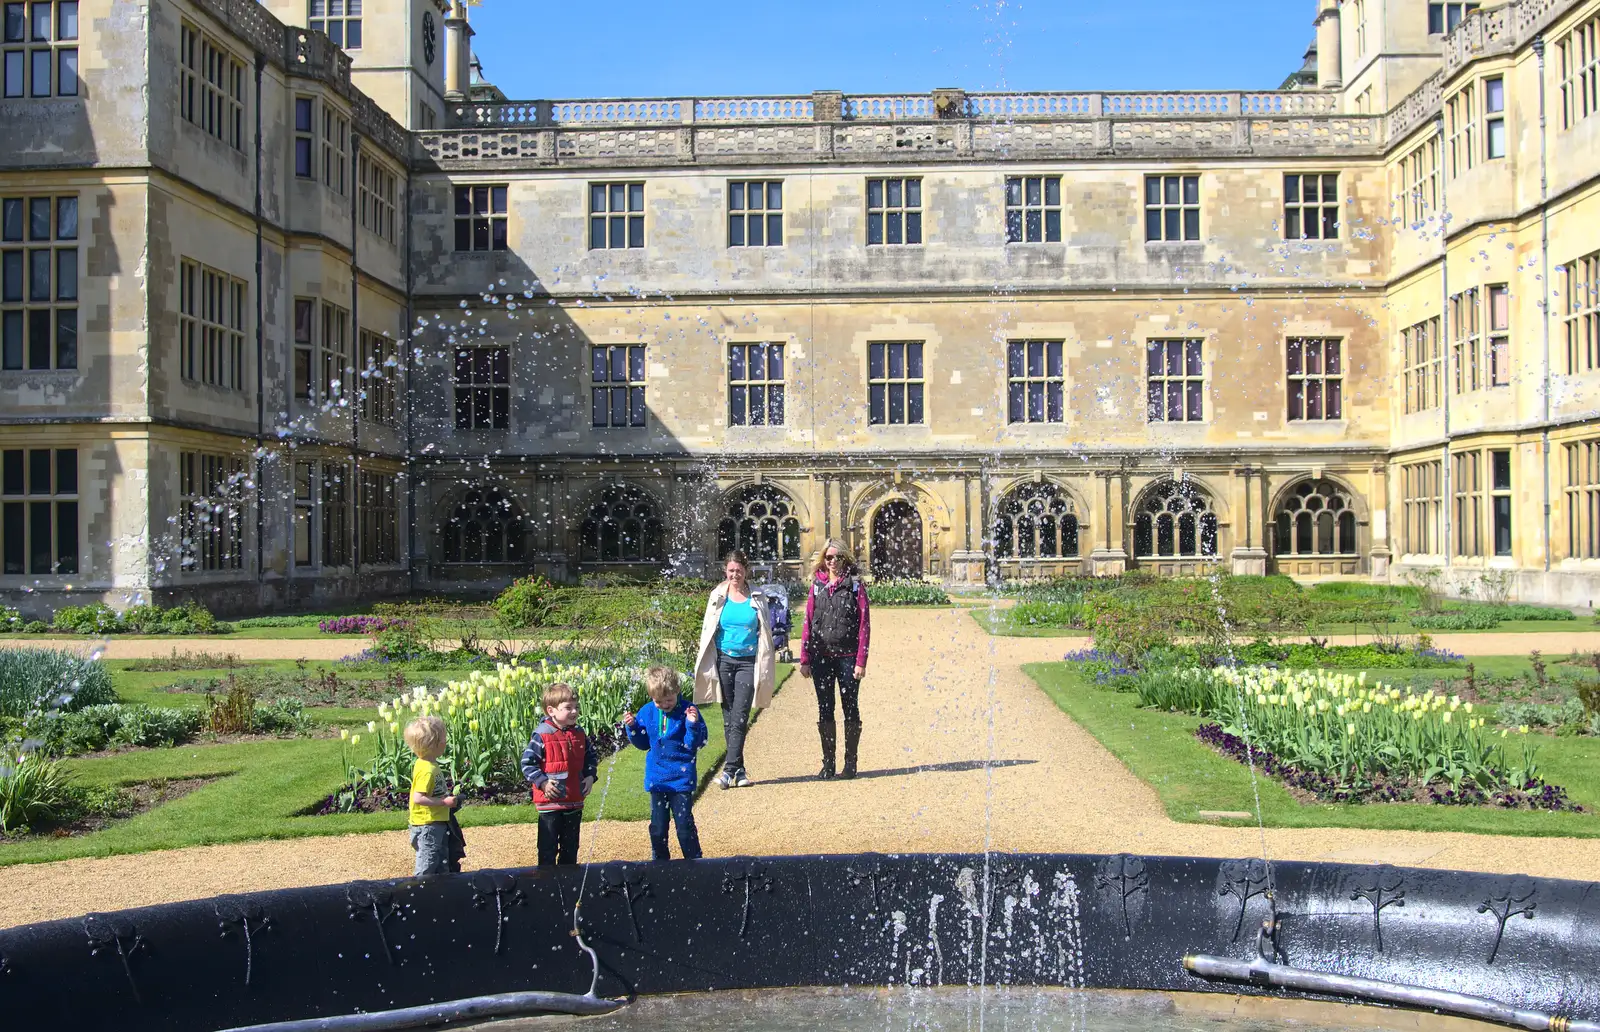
(833, 651)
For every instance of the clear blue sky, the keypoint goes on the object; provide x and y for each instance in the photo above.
(624, 48)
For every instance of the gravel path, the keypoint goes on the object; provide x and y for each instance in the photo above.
(941, 697)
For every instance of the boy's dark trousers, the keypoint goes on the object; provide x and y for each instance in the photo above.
(679, 807)
(558, 836)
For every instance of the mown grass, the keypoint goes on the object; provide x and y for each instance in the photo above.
(260, 789)
(1161, 749)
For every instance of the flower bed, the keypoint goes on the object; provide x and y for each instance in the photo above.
(1347, 740)
(490, 717)
(361, 624)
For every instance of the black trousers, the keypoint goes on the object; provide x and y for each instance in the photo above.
(825, 673)
(738, 677)
(558, 836)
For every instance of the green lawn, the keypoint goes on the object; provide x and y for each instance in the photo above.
(1002, 623)
(1189, 777)
(261, 787)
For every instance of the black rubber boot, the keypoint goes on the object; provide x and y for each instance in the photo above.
(830, 743)
(852, 739)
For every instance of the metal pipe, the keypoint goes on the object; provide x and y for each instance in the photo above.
(438, 1015)
(1265, 972)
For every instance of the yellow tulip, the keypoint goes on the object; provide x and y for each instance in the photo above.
(355, 739)
(372, 725)
(1522, 729)
(344, 732)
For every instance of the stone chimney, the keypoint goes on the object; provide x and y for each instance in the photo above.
(458, 48)
(1330, 68)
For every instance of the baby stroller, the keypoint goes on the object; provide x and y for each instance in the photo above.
(777, 597)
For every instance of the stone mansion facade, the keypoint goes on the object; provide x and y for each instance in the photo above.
(297, 307)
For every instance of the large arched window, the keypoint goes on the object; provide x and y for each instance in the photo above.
(1174, 520)
(1036, 521)
(622, 527)
(760, 522)
(1316, 519)
(487, 527)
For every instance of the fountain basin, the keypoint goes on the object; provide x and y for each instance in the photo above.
(922, 920)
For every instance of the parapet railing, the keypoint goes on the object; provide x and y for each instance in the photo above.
(941, 104)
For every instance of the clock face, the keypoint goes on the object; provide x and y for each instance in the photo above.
(430, 37)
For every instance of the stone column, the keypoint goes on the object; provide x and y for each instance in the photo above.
(1330, 70)
(1108, 558)
(1382, 550)
(458, 46)
(1248, 558)
(969, 565)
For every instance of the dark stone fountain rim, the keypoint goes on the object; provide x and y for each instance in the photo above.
(1118, 921)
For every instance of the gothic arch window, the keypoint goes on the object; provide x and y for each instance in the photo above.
(1317, 518)
(1175, 520)
(1036, 521)
(761, 523)
(488, 526)
(622, 527)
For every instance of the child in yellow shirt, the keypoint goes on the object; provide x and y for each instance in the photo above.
(430, 810)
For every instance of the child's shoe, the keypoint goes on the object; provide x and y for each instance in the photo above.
(742, 779)
(725, 779)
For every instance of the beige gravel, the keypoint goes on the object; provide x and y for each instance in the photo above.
(940, 698)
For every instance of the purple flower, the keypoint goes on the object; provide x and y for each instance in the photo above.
(361, 624)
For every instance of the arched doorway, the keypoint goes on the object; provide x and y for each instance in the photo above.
(1315, 531)
(1036, 533)
(896, 542)
(1175, 529)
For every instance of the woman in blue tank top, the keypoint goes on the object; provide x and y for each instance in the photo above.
(735, 665)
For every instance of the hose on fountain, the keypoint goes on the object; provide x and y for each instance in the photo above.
(1265, 971)
(454, 1012)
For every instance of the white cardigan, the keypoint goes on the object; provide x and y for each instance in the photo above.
(707, 686)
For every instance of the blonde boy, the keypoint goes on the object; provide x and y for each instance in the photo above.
(430, 811)
(560, 765)
(670, 731)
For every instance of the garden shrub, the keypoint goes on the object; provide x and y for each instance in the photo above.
(98, 727)
(399, 643)
(307, 620)
(1470, 618)
(36, 627)
(34, 789)
(360, 624)
(94, 618)
(282, 716)
(1565, 714)
(140, 619)
(34, 680)
(526, 603)
(10, 620)
(1523, 611)
(906, 593)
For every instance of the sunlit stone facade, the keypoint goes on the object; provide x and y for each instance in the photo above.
(402, 333)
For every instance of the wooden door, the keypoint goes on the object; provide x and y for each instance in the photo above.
(897, 542)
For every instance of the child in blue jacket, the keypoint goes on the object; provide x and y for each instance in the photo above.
(671, 731)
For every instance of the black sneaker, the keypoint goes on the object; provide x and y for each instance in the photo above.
(742, 779)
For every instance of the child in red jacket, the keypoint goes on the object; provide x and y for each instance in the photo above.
(561, 766)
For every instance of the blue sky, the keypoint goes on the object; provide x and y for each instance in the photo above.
(622, 48)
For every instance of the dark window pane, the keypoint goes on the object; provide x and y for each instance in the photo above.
(67, 274)
(39, 339)
(636, 231)
(1291, 189)
(775, 362)
(774, 230)
(67, 338)
(874, 228)
(497, 234)
(636, 406)
(874, 193)
(1055, 410)
(16, 22)
(15, 537)
(1294, 357)
(1016, 396)
(618, 234)
(39, 461)
(1152, 190)
(335, 30)
(1014, 226)
(636, 365)
(913, 227)
(67, 218)
(1054, 355)
(597, 231)
(66, 537)
(735, 230)
(875, 361)
(480, 234)
(1015, 357)
(735, 196)
(1291, 227)
(39, 218)
(619, 406)
(11, 218)
(1501, 462)
(41, 73)
(1195, 405)
(897, 403)
(40, 559)
(914, 361)
(39, 275)
(897, 361)
(597, 197)
(1036, 358)
(736, 406)
(875, 404)
(67, 73)
(1335, 399)
(1171, 229)
(893, 227)
(1170, 188)
(598, 406)
(1333, 355)
(636, 197)
(775, 404)
(11, 480)
(758, 406)
(757, 234)
(13, 73)
(892, 193)
(463, 234)
(1035, 226)
(66, 471)
(1036, 402)
(11, 340)
(914, 403)
(1297, 394)
(11, 276)
(736, 356)
(774, 196)
(1052, 226)
(1191, 224)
